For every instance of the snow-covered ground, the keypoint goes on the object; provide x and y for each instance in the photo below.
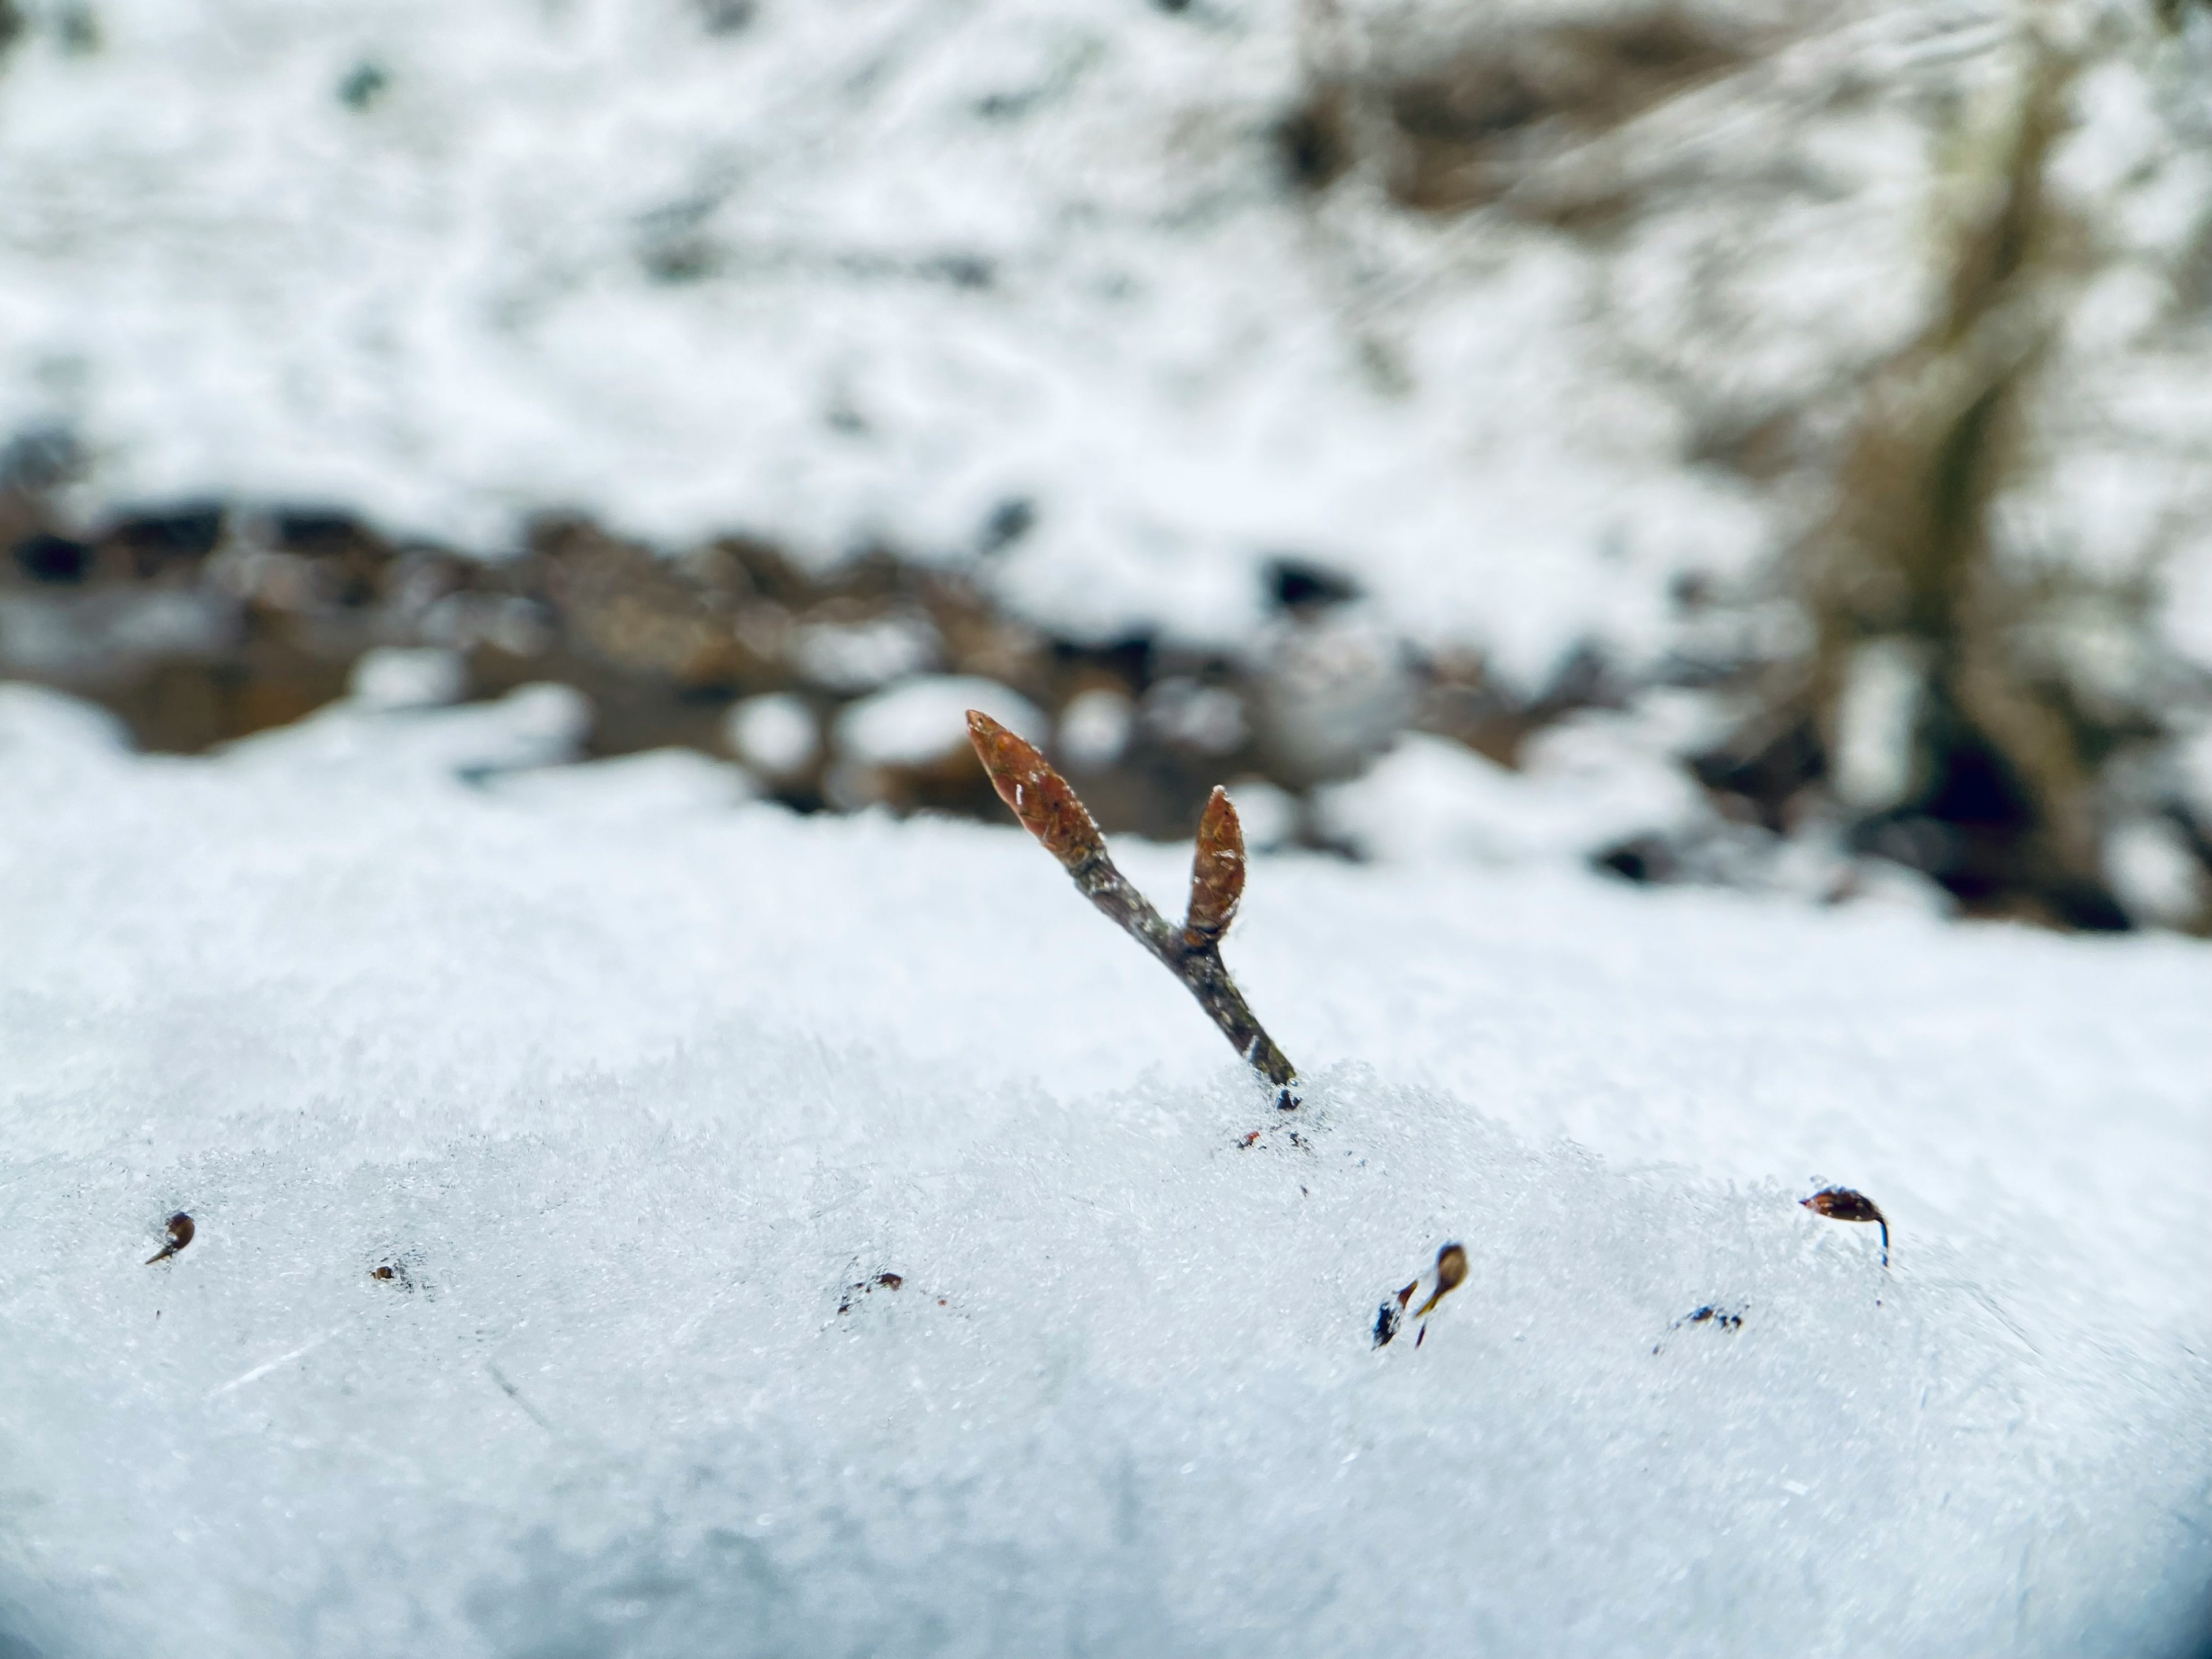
(639, 1093)
(631, 1219)
(868, 272)
(836, 273)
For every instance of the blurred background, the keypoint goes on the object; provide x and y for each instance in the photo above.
(1756, 442)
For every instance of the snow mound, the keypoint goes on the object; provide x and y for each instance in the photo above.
(756, 1235)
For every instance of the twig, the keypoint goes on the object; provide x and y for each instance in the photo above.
(1049, 809)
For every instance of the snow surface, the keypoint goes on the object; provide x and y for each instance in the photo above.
(632, 1102)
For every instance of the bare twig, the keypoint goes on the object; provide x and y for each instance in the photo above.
(1050, 811)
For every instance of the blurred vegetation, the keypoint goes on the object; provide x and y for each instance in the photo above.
(1995, 791)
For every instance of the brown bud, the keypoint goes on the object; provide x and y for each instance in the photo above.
(1217, 874)
(180, 1234)
(1842, 1204)
(1451, 1273)
(1039, 796)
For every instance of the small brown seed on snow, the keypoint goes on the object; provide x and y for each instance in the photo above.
(180, 1234)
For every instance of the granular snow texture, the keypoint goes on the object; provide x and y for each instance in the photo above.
(826, 1237)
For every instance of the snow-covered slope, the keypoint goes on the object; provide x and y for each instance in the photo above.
(871, 270)
(640, 1096)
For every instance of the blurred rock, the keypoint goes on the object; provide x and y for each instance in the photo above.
(923, 720)
(534, 726)
(776, 734)
(1094, 729)
(1333, 691)
(394, 678)
(865, 652)
(646, 787)
(1192, 714)
(2156, 872)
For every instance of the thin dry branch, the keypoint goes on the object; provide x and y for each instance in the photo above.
(1049, 809)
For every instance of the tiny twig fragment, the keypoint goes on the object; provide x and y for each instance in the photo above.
(1388, 1316)
(1451, 1273)
(1842, 1204)
(180, 1234)
(1720, 1318)
(1050, 810)
(860, 1287)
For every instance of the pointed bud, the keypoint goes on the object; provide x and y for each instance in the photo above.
(1216, 875)
(1842, 1204)
(1039, 796)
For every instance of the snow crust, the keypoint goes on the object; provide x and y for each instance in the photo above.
(638, 1107)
